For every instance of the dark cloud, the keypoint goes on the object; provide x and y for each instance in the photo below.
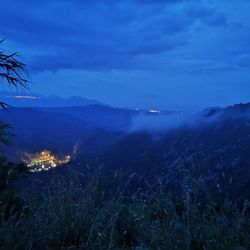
(101, 36)
(207, 15)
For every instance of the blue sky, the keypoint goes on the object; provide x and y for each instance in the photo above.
(172, 54)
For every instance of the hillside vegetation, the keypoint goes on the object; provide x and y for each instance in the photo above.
(69, 215)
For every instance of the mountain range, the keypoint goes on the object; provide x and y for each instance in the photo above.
(213, 143)
(36, 100)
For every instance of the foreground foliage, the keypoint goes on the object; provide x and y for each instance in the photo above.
(69, 216)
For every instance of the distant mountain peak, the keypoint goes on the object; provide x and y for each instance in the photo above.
(36, 100)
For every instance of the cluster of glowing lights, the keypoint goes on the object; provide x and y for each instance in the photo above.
(24, 97)
(44, 161)
(154, 111)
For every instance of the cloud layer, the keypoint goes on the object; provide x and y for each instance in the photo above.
(181, 54)
(98, 35)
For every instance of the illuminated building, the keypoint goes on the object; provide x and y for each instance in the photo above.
(44, 161)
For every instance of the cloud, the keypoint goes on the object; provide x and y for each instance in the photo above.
(207, 15)
(97, 36)
(167, 122)
(162, 121)
(172, 64)
(200, 66)
(243, 61)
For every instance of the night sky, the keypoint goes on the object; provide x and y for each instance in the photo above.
(172, 54)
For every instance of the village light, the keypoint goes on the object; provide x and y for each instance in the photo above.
(44, 161)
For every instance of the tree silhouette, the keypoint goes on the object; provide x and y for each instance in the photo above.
(12, 70)
(14, 73)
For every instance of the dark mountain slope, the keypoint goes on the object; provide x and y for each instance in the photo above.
(35, 130)
(216, 148)
(100, 116)
(221, 149)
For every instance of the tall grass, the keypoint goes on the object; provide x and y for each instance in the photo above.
(72, 216)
